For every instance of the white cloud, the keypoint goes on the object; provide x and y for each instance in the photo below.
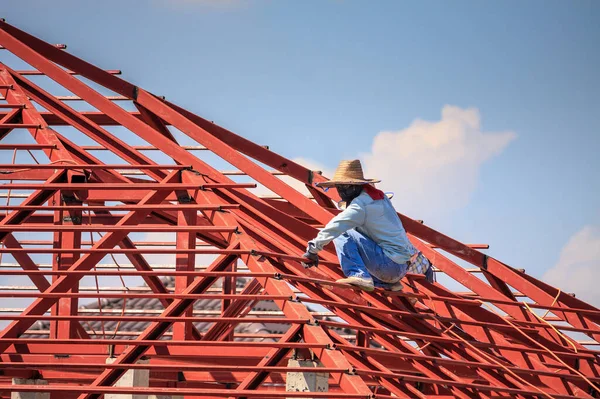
(433, 167)
(578, 268)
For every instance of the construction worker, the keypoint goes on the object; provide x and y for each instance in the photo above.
(369, 238)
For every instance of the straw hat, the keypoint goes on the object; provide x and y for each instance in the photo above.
(348, 172)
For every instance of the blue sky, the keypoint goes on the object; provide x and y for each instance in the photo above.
(320, 80)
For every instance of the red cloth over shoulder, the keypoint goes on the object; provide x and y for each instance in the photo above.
(374, 193)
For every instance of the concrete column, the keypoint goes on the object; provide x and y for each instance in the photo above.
(29, 395)
(306, 381)
(135, 378)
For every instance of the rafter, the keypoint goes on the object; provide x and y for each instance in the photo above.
(507, 335)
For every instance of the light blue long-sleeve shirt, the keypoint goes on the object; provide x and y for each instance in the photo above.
(376, 219)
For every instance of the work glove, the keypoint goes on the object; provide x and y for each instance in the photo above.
(313, 260)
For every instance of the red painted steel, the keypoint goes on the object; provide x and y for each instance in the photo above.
(76, 212)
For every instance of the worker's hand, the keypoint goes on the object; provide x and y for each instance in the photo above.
(313, 260)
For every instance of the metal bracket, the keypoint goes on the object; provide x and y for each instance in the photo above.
(135, 93)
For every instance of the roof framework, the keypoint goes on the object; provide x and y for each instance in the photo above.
(91, 173)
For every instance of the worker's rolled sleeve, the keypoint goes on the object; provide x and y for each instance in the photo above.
(352, 217)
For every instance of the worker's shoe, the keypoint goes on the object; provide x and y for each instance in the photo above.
(365, 284)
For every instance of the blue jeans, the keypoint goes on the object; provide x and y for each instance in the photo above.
(362, 257)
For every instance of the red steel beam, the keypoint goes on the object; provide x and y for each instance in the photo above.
(200, 392)
(185, 262)
(159, 326)
(87, 262)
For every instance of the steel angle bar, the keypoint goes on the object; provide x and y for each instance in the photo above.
(36, 198)
(185, 343)
(41, 133)
(586, 354)
(166, 319)
(105, 251)
(90, 390)
(87, 262)
(455, 362)
(311, 332)
(58, 46)
(82, 166)
(159, 326)
(124, 186)
(131, 207)
(20, 126)
(92, 130)
(105, 228)
(23, 147)
(42, 58)
(166, 367)
(35, 73)
(148, 295)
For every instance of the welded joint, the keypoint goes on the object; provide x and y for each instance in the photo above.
(484, 266)
(351, 371)
(277, 276)
(313, 322)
